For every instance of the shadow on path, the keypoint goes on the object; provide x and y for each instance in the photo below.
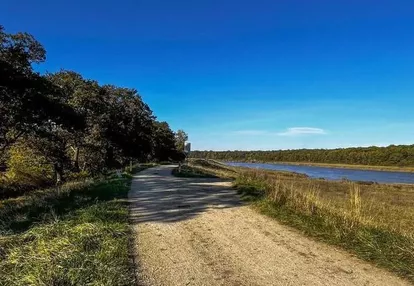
(157, 196)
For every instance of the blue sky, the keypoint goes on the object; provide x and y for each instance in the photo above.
(260, 74)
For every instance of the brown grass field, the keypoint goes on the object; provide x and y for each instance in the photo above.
(373, 221)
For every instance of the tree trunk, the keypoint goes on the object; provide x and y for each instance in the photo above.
(76, 160)
(58, 173)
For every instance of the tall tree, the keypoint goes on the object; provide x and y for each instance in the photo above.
(180, 138)
(164, 142)
(85, 98)
(20, 50)
(73, 123)
(129, 124)
(27, 100)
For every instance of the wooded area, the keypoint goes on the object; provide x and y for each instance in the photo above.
(401, 155)
(61, 125)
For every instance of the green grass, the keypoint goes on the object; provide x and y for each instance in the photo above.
(192, 172)
(373, 221)
(77, 236)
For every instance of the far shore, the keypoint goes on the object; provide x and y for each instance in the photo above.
(342, 166)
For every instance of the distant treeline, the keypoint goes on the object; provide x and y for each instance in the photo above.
(401, 155)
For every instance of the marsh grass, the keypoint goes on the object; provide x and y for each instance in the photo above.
(373, 221)
(78, 235)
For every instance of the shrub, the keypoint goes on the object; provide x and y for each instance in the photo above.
(28, 168)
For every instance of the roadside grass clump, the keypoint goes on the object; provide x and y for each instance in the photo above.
(77, 235)
(373, 221)
(191, 172)
(20, 213)
(212, 167)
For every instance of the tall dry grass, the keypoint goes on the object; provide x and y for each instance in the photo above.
(374, 221)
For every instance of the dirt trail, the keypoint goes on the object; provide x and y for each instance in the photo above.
(197, 232)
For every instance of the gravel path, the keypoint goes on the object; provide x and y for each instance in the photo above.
(191, 231)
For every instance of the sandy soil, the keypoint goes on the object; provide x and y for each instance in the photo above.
(191, 231)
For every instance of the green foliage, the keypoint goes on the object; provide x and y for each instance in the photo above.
(73, 124)
(27, 100)
(402, 156)
(180, 138)
(67, 127)
(20, 49)
(79, 176)
(164, 142)
(28, 167)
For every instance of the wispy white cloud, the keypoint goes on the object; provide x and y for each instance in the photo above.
(296, 131)
(293, 131)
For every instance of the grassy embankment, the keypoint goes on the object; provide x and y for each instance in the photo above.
(77, 236)
(191, 172)
(373, 221)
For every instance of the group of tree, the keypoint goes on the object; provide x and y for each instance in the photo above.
(59, 123)
(393, 155)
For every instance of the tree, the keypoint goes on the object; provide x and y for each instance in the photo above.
(70, 123)
(128, 125)
(52, 142)
(180, 138)
(20, 50)
(392, 155)
(119, 125)
(164, 148)
(85, 98)
(27, 100)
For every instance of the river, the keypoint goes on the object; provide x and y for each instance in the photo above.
(335, 173)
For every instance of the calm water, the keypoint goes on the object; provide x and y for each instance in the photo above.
(335, 173)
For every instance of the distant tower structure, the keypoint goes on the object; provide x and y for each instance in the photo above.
(187, 148)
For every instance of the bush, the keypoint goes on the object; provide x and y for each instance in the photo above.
(27, 168)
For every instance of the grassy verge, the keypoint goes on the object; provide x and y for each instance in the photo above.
(373, 221)
(192, 172)
(77, 236)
